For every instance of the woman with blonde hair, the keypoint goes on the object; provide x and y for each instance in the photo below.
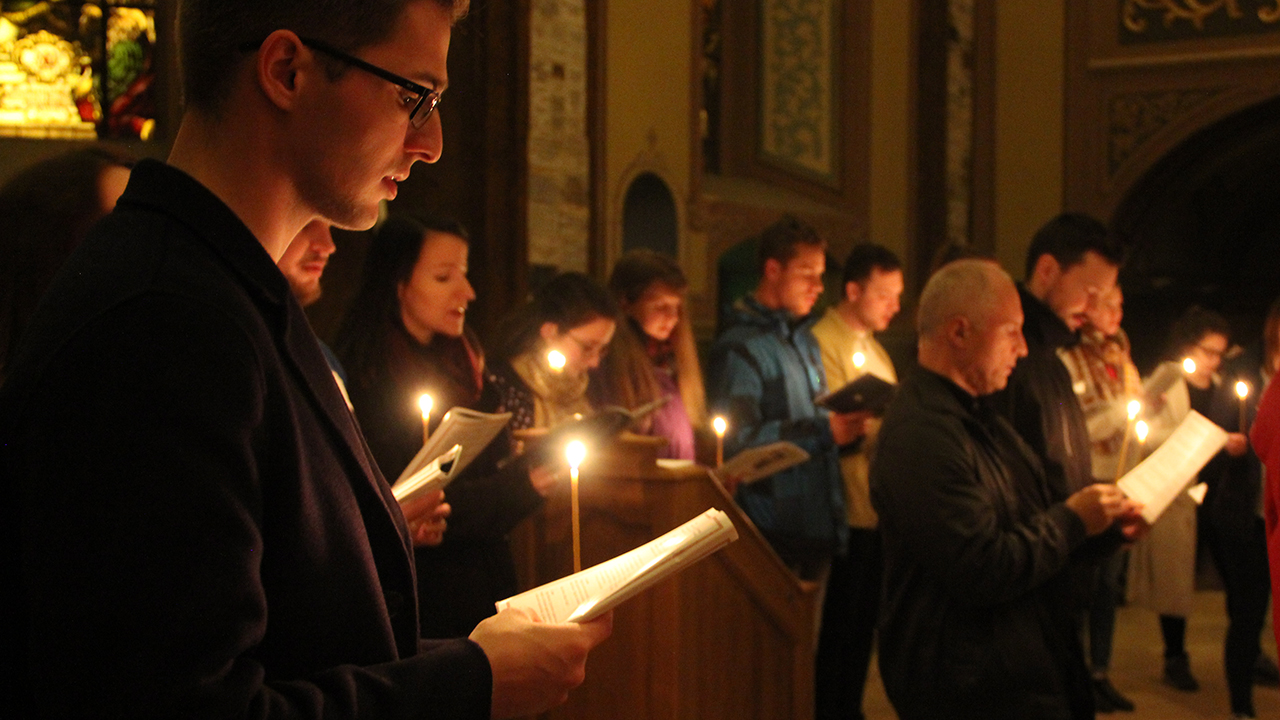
(653, 354)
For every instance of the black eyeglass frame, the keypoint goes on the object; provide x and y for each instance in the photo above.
(426, 96)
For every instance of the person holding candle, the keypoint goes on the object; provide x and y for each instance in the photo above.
(572, 319)
(872, 285)
(404, 339)
(1236, 529)
(653, 353)
(1106, 383)
(1162, 565)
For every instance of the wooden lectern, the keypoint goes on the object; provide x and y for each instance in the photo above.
(731, 637)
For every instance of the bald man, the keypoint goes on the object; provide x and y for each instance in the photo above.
(974, 543)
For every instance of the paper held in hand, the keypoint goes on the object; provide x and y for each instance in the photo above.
(471, 429)
(1156, 481)
(588, 594)
(762, 461)
(433, 476)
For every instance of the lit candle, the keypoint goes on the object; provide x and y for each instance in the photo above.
(1242, 389)
(575, 452)
(425, 403)
(1134, 408)
(859, 360)
(555, 359)
(1140, 429)
(719, 425)
(1189, 366)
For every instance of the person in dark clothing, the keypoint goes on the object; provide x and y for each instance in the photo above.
(191, 524)
(974, 623)
(405, 335)
(1071, 260)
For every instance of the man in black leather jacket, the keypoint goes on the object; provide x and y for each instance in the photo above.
(975, 542)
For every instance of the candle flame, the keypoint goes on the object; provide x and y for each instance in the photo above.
(1140, 430)
(425, 403)
(575, 452)
(556, 360)
(719, 425)
(1242, 389)
(1189, 366)
(1135, 407)
(859, 359)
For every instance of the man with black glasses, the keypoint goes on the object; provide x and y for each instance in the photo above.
(193, 525)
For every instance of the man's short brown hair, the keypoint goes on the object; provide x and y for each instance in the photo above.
(213, 34)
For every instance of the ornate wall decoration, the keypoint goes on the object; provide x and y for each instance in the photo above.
(1137, 117)
(1144, 21)
(798, 80)
(54, 58)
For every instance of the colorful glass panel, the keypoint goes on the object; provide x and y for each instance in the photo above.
(53, 58)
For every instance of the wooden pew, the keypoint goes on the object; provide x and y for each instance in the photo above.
(731, 637)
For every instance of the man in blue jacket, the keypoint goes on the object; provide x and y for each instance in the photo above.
(764, 373)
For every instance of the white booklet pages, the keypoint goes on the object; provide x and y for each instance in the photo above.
(1157, 480)
(588, 594)
(431, 477)
(471, 429)
(757, 463)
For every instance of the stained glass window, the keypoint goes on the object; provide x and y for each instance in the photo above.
(54, 56)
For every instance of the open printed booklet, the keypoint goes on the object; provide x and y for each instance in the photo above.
(433, 476)
(866, 393)
(471, 429)
(586, 595)
(757, 463)
(1157, 480)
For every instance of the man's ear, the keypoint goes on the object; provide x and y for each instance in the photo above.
(1045, 272)
(279, 60)
(549, 330)
(958, 331)
(852, 291)
(772, 270)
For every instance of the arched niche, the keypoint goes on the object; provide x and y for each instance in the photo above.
(649, 217)
(1201, 225)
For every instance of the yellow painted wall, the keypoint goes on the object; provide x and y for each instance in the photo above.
(1029, 127)
(892, 77)
(649, 100)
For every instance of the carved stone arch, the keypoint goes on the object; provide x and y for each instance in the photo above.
(1201, 227)
(1145, 127)
(648, 162)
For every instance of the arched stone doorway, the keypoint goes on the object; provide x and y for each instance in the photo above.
(1202, 226)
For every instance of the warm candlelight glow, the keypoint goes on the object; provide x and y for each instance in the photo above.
(1135, 407)
(575, 452)
(1242, 389)
(1140, 430)
(1189, 366)
(425, 403)
(719, 425)
(556, 360)
(859, 360)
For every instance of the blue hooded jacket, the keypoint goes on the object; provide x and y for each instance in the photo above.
(764, 372)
